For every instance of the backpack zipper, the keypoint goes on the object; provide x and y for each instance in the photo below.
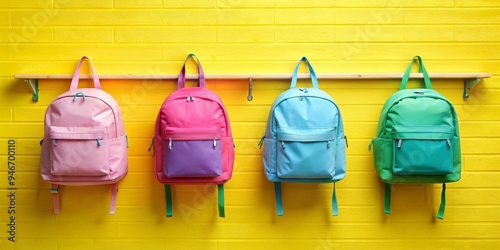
(328, 143)
(400, 141)
(194, 134)
(170, 141)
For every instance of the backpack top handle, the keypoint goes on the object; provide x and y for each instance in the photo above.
(181, 81)
(421, 69)
(314, 79)
(76, 76)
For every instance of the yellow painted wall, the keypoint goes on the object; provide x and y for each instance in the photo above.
(243, 36)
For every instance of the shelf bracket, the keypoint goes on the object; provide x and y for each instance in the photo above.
(33, 84)
(250, 95)
(468, 84)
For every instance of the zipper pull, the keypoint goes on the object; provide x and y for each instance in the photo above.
(261, 142)
(170, 143)
(98, 142)
(215, 142)
(327, 144)
(399, 143)
(55, 142)
(283, 144)
(187, 99)
(449, 143)
(192, 98)
(150, 147)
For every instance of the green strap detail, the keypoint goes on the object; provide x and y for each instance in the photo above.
(421, 69)
(279, 202)
(443, 203)
(168, 199)
(335, 206)
(261, 142)
(220, 193)
(387, 198)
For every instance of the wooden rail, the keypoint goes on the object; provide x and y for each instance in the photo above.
(470, 79)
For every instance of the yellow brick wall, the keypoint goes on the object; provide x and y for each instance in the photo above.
(243, 36)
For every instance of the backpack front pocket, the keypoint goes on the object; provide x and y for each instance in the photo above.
(306, 155)
(79, 151)
(192, 153)
(423, 150)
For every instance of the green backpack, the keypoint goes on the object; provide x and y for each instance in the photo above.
(417, 139)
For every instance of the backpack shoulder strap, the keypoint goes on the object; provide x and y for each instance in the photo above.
(54, 189)
(442, 206)
(335, 206)
(114, 193)
(56, 200)
(168, 200)
(279, 202)
(220, 200)
(387, 198)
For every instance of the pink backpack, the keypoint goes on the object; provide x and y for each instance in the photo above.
(84, 139)
(193, 140)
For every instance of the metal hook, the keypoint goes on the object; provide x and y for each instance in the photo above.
(468, 84)
(250, 96)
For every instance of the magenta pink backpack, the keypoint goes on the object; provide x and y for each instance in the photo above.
(84, 139)
(193, 141)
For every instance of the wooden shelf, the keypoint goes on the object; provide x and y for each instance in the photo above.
(470, 79)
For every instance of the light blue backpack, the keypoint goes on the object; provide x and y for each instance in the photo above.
(304, 140)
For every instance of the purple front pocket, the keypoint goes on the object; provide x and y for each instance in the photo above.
(192, 158)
